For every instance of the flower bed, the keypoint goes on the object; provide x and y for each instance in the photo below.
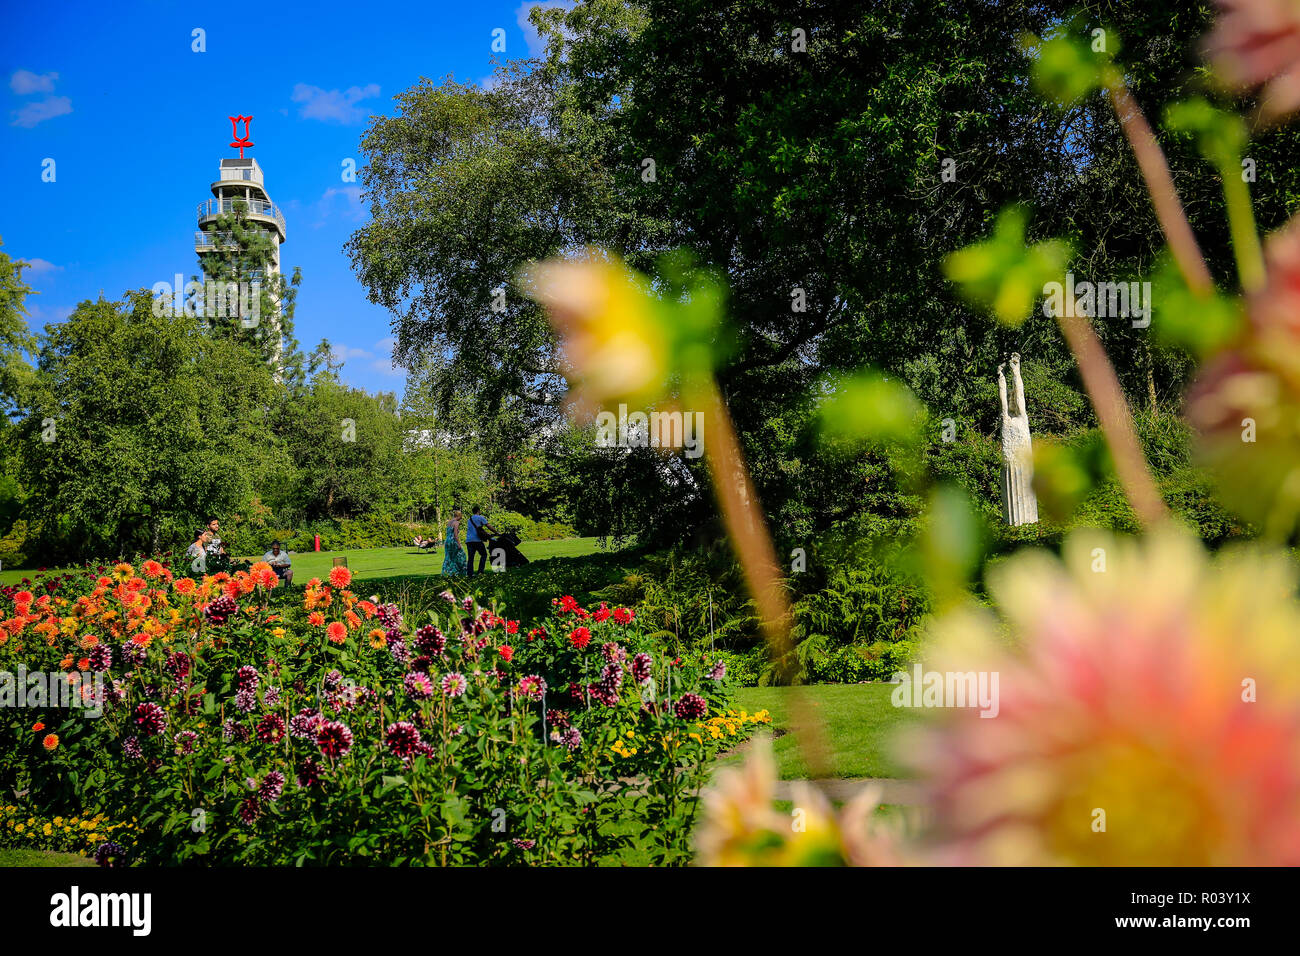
(243, 722)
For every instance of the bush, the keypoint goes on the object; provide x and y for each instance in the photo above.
(528, 529)
(11, 545)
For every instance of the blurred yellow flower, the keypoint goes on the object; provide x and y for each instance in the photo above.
(613, 336)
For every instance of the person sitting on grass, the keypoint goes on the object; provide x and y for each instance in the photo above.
(279, 562)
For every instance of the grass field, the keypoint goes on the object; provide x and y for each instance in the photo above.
(42, 858)
(856, 718)
(402, 562)
(382, 562)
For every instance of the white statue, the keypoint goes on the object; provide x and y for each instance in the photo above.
(1018, 501)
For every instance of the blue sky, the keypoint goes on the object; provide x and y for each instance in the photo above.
(136, 121)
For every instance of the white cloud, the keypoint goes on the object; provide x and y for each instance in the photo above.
(379, 357)
(42, 314)
(341, 353)
(41, 110)
(333, 106)
(344, 198)
(36, 268)
(24, 82)
(536, 46)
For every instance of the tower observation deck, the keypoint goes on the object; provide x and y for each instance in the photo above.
(240, 185)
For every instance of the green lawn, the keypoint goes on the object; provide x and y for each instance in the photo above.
(372, 563)
(42, 858)
(857, 719)
(379, 562)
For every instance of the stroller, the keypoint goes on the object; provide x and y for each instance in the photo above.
(508, 543)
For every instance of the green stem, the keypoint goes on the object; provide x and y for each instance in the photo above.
(1246, 246)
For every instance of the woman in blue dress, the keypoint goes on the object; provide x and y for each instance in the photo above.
(453, 558)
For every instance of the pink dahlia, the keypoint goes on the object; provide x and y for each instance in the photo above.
(454, 685)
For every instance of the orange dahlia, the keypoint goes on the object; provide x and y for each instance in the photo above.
(50, 742)
(336, 632)
(340, 577)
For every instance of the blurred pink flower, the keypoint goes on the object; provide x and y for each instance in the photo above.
(1256, 43)
(742, 827)
(1128, 730)
(1245, 403)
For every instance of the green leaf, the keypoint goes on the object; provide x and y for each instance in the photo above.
(1002, 274)
(869, 408)
(1067, 68)
(1220, 136)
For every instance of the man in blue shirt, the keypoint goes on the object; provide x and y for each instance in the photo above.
(475, 540)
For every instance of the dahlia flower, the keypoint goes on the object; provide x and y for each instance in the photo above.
(272, 787)
(742, 827)
(1245, 403)
(402, 739)
(250, 810)
(641, 667)
(430, 640)
(270, 729)
(304, 724)
(532, 687)
(150, 718)
(614, 338)
(334, 738)
(109, 854)
(419, 686)
(690, 706)
(1149, 717)
(1257, 43)
(101, 657)
(454, 685)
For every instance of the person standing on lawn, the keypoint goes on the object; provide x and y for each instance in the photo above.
(476, 541)
(453, 557)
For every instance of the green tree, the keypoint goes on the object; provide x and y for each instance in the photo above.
(141, 426)
(347, 446)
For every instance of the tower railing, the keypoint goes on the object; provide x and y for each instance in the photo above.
(256, 207)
